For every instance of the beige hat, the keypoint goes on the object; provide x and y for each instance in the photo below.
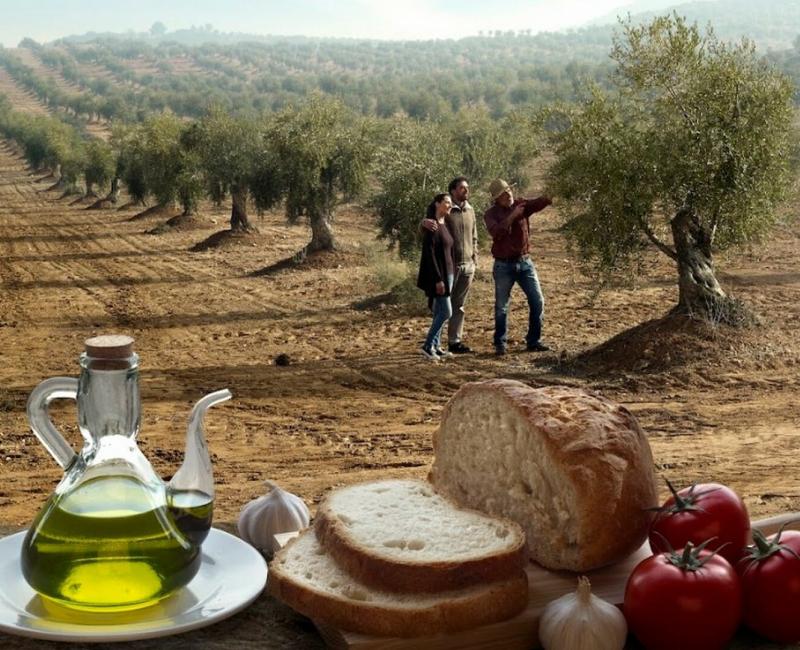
(497, 187)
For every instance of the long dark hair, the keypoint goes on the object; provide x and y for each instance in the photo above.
(431, 212)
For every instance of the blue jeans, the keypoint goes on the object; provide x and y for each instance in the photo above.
(442, 311)
(523, 273)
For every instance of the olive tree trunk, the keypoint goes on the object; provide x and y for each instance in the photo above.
(113, 195)
(189, 204)
(239, 219)
(699, 292)
(61, 182)
(322, 238)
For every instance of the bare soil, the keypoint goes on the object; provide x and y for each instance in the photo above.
(356, 399)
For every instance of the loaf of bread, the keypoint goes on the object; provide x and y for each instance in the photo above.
(399, 535)
(306, 578)
(572, 468)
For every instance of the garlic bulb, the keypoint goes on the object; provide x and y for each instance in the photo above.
(276, 512)
(582, 621)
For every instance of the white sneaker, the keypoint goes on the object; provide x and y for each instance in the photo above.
(430, 353)
(443, 353)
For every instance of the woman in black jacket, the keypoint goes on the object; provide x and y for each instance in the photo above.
(436, 271)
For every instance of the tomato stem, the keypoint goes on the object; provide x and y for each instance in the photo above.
(684, 503)
(764, 548)
(689, 559)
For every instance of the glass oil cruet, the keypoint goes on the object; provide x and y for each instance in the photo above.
(113, 536)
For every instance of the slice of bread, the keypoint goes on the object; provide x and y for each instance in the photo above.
(573, 468)
(400, 535)
(306, 578)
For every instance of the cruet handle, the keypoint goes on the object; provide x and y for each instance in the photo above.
(39, 417)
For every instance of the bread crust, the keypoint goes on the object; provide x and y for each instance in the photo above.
(387, 574)
(599, 446)
(498, 601)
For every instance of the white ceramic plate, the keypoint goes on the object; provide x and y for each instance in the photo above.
(231, 576)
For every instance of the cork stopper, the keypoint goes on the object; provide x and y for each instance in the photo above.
(109, 346)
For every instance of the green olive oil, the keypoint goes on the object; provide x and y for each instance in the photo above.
(108, 545)
(192, 512)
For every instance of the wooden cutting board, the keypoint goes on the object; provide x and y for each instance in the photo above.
(522, 631)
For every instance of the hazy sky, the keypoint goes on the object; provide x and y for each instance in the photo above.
(45, 20)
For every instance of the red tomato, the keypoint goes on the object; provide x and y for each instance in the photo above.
(699, 513)
(771, 584)
(672, 604)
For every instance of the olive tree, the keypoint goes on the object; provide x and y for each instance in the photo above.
(128, 142)
(48, 143)
(51, 143)
(496, 148)
(690, 153)
(100, 165)
(324, 151)
(230, 149)
(415, 161)
(171, 165)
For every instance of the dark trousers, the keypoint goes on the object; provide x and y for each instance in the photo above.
(523, 273)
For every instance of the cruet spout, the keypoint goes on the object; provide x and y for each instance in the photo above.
(195, 474)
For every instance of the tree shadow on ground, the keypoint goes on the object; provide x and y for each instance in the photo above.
(397, 298)
(130, 204)
(318, 260)
(153, 211)
(224, 239)
(292, 262)
(83, 199)
(101, 204)
(178, 223)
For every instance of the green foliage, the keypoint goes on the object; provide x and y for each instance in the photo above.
(388, 270)
(230, 149)
(495, 148)
(415, 161)
(324, 151)
(171, 168)
(46, 141)
(423, 80)
(386, 79)
(100, 166)
(130, 162)
(694, 125)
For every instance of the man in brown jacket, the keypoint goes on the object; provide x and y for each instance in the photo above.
(464, 229)
(508, 223)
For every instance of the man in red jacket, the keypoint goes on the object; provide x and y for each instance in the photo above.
(508, 222)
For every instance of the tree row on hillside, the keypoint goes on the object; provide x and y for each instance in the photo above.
(420, 80)
(50, 143)
(78, 104)
(277, 80)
